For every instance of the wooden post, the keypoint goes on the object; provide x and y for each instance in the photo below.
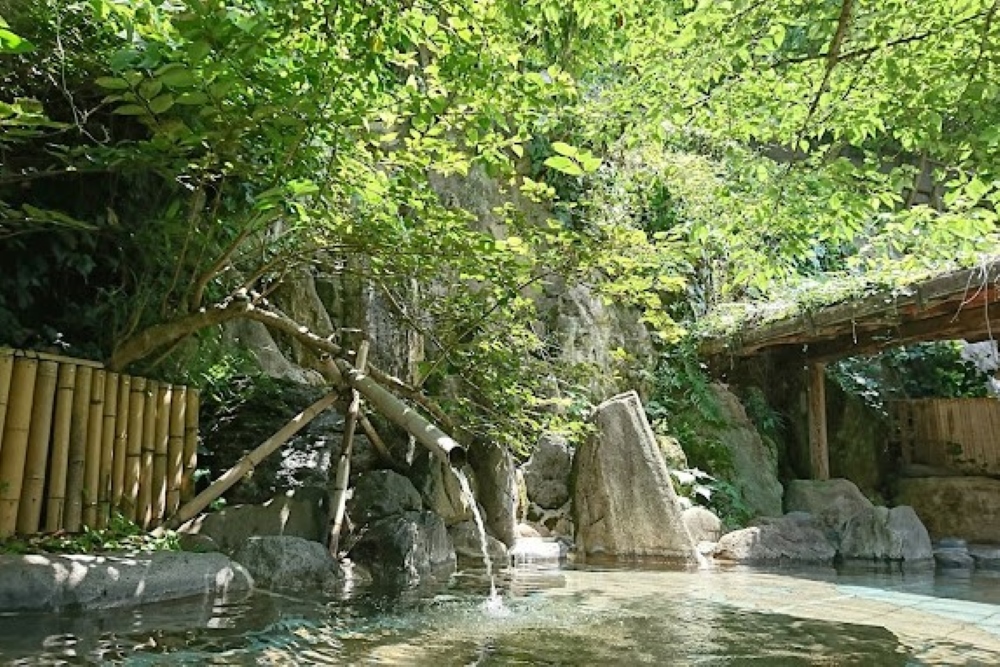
(6, 369)
(121, 443)
(77, 449)
(818, 448)
(15, 442)
(145, 513)
(29, 514)
(55, 507)
(106, 467)
(175, 450)
(190, 444)
(246, 464)
(92, 464)
(164, 397)
(129, 505)
(343, 470)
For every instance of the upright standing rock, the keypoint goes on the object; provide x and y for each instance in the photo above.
(624, 501)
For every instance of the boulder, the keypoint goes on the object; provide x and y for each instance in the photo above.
(789, 539)
(440, 489)
(53, 582)
(382, 493)
(406, 549)
(953, 558)
(496, 488)
(832, 502)
(880, 533)
(284, 562)
(301, 513)
(987, 557)
(702, 524)
(552, 522)
(672, 452)
(966, 507)
(546, 474)
(469, 547)
(623, 498)
(754, 460)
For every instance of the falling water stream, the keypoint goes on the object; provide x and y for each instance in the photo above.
(494, 603)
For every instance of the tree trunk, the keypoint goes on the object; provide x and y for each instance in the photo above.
(343, 474)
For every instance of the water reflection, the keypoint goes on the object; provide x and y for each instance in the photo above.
(552, 617)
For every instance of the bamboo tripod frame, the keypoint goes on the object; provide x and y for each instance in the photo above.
(79, 445)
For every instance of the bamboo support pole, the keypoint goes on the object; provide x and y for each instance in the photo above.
(129, 504)
(105, 468)
(6, 369)
(73, 514)
(819, 455)
(29, 514)
(15, 442)
(247, 463)
(164, 398)
(55, 506)
(175, 450)
(120, 443)
(190, 444)
(377, 442)
(343, 474)
(92, 464)
(145, 513)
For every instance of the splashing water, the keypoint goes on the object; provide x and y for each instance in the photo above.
(494, 603)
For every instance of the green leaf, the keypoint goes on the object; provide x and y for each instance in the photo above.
(177, 76)
(11, 43)
(131, 110)
(162, 103)
(564, 149)
(112, 83)
(150, 89)
(430, 25)
(191, 98)
(564, 164)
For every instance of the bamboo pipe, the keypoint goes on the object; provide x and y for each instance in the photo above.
(73, 513)
(6, 369)
(145, 514)
(129, 505)
(121, 443)
(190, 444)
(343, 471)
(29, 514)
(429, 435)
(105, 469)
(175, 450)
(247, 463)
(92, 464)
(15, 439)
(56, 505)
(164, 398)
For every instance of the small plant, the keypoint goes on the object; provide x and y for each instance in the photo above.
(718, 495)
(121, 534)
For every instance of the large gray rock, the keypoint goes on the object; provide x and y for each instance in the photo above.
(788, 539)
(832, 502)
(546, 474)
(754, 461)
(383, 493)
(469, 546)
(623, 497)
(289, 563)
(53, 582)
(966, 507)
(702, 524)
(301, 513)
(496, 488)
(406, 549)
(440, 489)
(880, 533)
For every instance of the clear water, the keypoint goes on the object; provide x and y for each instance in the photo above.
(550, 617)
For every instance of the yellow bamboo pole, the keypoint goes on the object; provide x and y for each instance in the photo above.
(145, 514)
(56, 503)
(129, 504)
(78, 449)
(105, 469)
(92, 464)
(6, 369)
(15, 439)
(29, 514)
(164, 398)
(121, 442)
(175, 450)
(190, 444)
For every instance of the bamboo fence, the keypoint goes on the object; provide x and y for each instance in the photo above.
(957, 434)
(79, 445)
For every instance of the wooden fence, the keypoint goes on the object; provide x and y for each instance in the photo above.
(78, 443)
(958, 434)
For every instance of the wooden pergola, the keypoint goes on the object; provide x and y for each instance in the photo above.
(962, 304)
